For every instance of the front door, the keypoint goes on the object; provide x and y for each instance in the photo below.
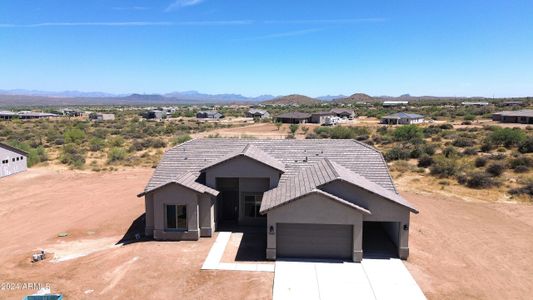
(228, 199)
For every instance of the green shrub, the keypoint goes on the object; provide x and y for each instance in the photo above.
(526, 146)
(507, 137)
(463, 142)
(470, 151)
(480, 162)
(425, 161)
(180, 139)
(74, 135)
(116, 141)
(480, 180)
(293, 128)
(496, 169)
(408, 133)
(116, 154)
(96, 144)
(397, 153)
(444, 167)
(72, 155)
(521, 161)
(450, 152)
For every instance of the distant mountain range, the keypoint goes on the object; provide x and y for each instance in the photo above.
(21, 97)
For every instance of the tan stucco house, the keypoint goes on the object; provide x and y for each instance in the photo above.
(313, 198)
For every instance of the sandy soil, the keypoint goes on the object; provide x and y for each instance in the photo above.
(460, 248)
(96, 210)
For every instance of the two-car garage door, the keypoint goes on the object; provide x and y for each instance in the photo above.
(314, 241)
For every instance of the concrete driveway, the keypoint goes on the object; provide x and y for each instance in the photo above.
(371, 279)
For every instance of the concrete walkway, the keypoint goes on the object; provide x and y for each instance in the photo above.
(212, 262)
(372, 279)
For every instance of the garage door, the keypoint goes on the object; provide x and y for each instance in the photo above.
(314, 241)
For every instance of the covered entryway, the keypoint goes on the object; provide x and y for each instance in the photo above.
(315, 241)
(380, 239)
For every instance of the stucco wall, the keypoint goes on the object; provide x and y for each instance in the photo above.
(11, 167)
(242, 167)
(315, 209)
(382, 210)
(176, 194)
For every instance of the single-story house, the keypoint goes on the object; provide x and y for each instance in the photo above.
(99, 117)
(294, 118)
(210, 114)
(343, 113)
(478, 104)
(321, 117)
(395, 103)
(25, 115)
(257, 113)
(512, 103)
(313, 198)
(402, 118)
(154, 115)
(524, 116)
(12, 160)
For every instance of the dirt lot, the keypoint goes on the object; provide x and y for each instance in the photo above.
(96, 209)
(459, 249)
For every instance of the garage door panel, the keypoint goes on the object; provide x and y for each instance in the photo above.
(314, 241)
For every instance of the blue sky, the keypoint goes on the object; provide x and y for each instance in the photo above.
(421, 47)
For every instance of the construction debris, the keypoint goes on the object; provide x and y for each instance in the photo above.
(38, 256)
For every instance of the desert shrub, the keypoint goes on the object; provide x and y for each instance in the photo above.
(311, 136)
(444, 167)
(507, 137)
(526, 146)
(158, 143)
(425, 161)
(293, 128)
(521, 169)
(74, 135)
(480, 162)
(72, 155)
(495, 169)
(37, 155)
(480, 180)
(341, 132)
(116, 154)
(397, 153)
(136, 146)
(431, 130)
(469, 117)
(408, 133)
(470, 151)
(487, 146)
(116, 141)
(429, 149)
(180, 139)
(96, 144)
(463, 142)
(520, 161)
(446, 126)
(498, 156)
(449, 151)
(527, 189)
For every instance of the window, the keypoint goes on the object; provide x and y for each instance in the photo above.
(176, 217)
(252, 204)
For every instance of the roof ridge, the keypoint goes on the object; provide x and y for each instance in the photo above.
(332, 167)
(248, 145)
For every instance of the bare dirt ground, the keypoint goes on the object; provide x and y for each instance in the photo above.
(96, 210)
(460, 248)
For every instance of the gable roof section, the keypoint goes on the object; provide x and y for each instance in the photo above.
(294, 115)
(319, 174)
(14, 149)
(194, 155)
(187, 180)
(402, 115)
(331, 197)
(252, 152)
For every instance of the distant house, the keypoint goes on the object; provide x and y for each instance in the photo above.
(524, 116)
(512, 103)
(154, 115)
(395, 103)
(402, 118)
(25, 115)
(294, 118)
(257, 113)
(7, 115)
(72, 112)
(12, 160)
(99, 117)
(343, 113)
(478, 104)
(210, 114)
(321, 117)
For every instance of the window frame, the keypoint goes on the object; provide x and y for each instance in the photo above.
(258, 198)
(180, 216)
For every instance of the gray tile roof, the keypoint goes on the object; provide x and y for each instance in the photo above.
(402, 115)
(294, 115)
(253, 152)
(187, 179)
(317, 174)
(195, 155)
